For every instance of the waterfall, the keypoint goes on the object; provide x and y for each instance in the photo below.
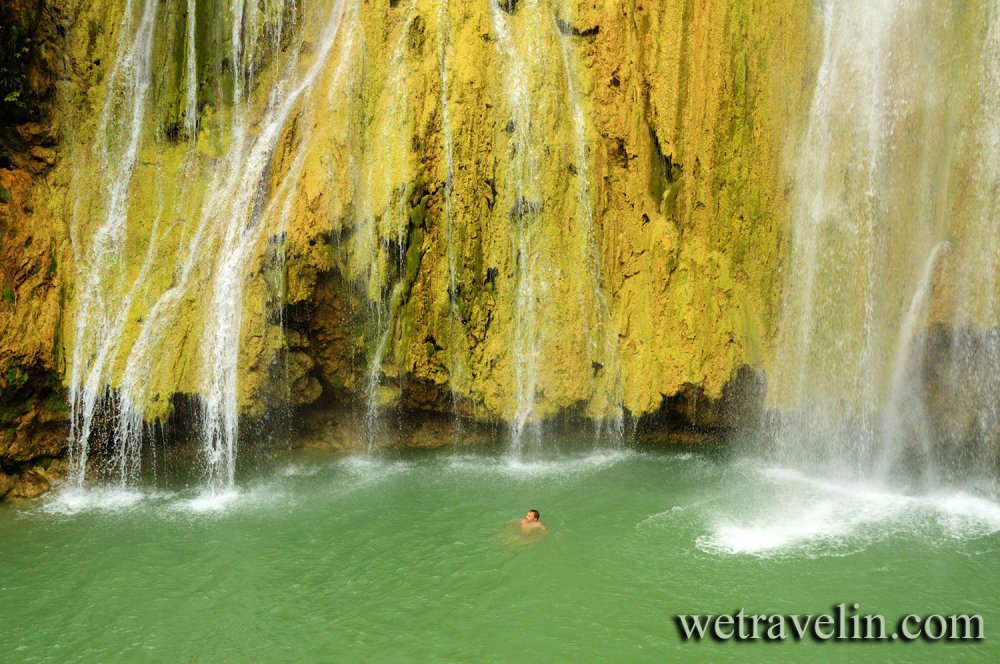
(456, 328)
(191, 74)
(545, 260)
(99, 319)
(386, 225)
(904, 425)
(883, 243)
(236, 209)
(602, 339)
(525, 193)
(969, 378)
(241, 203)
(215, 158)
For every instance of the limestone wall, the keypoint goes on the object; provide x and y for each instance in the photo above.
(511, 210)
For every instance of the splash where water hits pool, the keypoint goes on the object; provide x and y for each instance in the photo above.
(408, 557)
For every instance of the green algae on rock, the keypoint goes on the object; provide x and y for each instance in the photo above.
(501, 214)
(684, 195)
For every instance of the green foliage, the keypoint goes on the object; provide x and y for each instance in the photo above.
(8, 292)
(56, 403)
(15, 54)
(18, 397)
(275, 271)
(12, 405)
(5, 194)
(413, 250)
(16, 378)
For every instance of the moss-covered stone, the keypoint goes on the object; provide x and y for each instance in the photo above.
(626, 256)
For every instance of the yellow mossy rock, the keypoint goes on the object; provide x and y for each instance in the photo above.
(564, 206)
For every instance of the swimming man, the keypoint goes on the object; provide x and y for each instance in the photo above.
(532, 523)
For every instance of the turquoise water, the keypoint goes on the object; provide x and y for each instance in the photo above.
(407, 557)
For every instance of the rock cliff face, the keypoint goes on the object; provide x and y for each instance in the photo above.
(33, 408)
(508, 210)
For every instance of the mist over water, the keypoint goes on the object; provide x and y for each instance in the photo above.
(883, 386)
(887, 353)
(340, 547)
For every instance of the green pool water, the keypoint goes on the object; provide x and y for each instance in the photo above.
(408, 557)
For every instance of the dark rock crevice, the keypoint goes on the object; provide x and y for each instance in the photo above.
(568, 30)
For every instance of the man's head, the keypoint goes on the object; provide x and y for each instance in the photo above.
(533, 515)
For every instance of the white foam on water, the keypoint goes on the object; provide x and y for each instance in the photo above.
(225, 501)
(74, 500)
(795, 514)
(813, 528)
(299, 470)
(522, 468)
(664, 516)
(964, 515)
(371, 469)
(209, 501)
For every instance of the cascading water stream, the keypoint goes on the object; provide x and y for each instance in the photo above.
(876, 212)
(904, 422)
(456, 330)
(191, 73)
(99, 320)
(538, 267)
(830, 233)
(245, 189)
(966, 378)
(231, 223)
(524, 168)
(601, 337)
(388, 224)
